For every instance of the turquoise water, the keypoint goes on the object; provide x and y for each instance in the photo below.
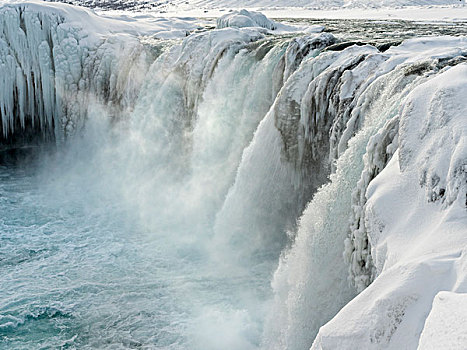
(78, 269)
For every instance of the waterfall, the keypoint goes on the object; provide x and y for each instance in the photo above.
(311, 283)
(241, 153)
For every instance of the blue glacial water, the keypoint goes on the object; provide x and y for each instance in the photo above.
(80, 268)
(77, 270)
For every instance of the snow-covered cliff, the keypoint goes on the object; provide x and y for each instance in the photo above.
(415, 223)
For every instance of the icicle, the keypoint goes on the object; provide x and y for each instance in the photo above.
(47, 71)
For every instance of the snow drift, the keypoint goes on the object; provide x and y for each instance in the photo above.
(415, 220)
(245, 18)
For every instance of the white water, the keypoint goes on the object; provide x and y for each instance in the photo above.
(111, 236)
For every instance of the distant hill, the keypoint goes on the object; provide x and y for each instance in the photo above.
(163, 5)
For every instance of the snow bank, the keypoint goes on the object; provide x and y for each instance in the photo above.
(416, 221)
(97, 25)
(245, 18)
(175, 5)
(349, 110)
(445, 51)
(398, 3)
(446, 324)
(428, 10)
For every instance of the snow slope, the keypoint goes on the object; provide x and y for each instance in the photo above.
(319, 4)
(449, 313)
(415, 218)
(219, 4)
(436, 10)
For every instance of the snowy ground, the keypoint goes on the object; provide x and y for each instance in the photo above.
(414, 13)
(410, 13)
(438, 10)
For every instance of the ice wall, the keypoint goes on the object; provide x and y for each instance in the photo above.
(52, 68)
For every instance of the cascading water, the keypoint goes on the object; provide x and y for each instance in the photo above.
(181, 173)
(305, 303)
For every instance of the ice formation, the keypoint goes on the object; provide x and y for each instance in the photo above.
(349, 163)
(245, 18)
(311, 281)
(52, 69)
(57, 59)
